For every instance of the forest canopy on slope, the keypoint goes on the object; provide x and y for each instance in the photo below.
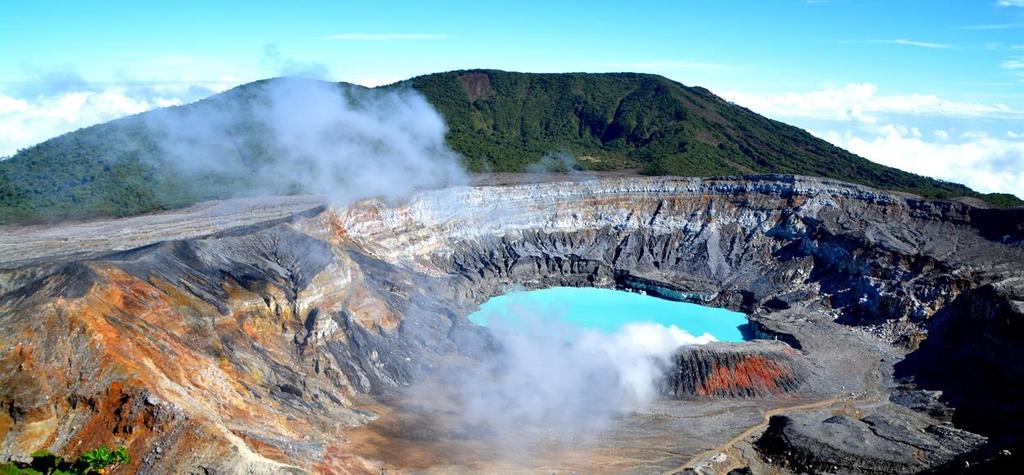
(497, 121)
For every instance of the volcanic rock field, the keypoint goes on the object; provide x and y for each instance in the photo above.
(286, 335)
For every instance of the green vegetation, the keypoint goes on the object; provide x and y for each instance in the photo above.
(498, 121)
(119, 169)
(504, 121)
(97, 461)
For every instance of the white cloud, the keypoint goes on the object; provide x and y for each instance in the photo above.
(981, 162)
(887, 128)
(374, 81)
(283, 65)
(992, 26)
(25, 122)
(47, 103)
(861, 102)
(919, 44)
(174, 68)
(1013, 63)
(1010, 3)
(385, 37)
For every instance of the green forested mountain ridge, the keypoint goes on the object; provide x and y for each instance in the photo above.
(622, 120)
(498, 121)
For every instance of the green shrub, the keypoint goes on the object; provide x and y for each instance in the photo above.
(96, 461)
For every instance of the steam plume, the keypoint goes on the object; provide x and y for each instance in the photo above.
(551, 377)
(306, 136)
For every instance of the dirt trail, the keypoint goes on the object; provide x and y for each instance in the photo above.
(728, 447)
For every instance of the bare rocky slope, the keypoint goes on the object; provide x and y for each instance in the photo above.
(285, 343)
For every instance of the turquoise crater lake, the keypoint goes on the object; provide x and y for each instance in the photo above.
(608, 311)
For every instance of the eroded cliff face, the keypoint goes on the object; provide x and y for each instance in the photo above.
(744, 370)
(876, 259)
(255, 348)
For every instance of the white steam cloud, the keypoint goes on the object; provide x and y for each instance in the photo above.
(554, 163)
(551, 378)
(309, 136)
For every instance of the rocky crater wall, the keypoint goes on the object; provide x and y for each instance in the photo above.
(875, 259)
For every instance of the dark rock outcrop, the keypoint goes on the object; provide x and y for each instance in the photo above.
(888, 441)
(735, 370)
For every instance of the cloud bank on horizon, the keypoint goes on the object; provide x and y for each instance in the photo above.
(978, 144)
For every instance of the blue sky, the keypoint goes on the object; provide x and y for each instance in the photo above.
(936, 87)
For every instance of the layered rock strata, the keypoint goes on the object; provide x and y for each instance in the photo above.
(726, 370)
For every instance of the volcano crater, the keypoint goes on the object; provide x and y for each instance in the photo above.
(293, 342)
